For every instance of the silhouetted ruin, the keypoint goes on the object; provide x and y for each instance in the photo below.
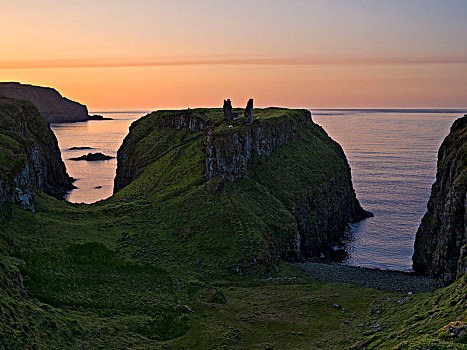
(228, 115)
(249, 112)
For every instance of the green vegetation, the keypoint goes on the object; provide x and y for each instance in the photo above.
(13, 155)
(168, 262)
(217, 114)
(457, 142)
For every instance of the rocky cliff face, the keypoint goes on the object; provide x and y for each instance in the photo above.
(52, 106)
(29, 155)
(229, 154)
(441, 241)
(322, 211)
(325, 214)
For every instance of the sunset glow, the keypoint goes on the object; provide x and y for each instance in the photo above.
(147, 54)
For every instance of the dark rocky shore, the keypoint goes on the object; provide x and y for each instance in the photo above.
(370, 278)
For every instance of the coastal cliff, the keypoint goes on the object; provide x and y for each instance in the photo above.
(230, 153)
(52, 106)
(441, 241)
(29, 156)
(295, 169)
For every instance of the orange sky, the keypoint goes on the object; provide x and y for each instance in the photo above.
(161, 54)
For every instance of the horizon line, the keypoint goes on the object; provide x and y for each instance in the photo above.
(149, 110)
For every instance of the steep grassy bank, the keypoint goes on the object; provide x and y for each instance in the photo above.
(75, 290)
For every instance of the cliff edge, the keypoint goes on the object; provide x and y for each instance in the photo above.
(29, 155)
(281, 178)
(441, 241)
(52, 106)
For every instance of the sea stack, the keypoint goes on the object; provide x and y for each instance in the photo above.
(249, 112)
(441, 240)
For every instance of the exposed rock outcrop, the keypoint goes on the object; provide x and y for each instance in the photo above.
(91, 157)
(79, 148)
(441, 241)
(52, 106)
(323, 216)
(230, 153)
(98, 117)
(29, 157)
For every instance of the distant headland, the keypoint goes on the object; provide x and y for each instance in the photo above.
(52, 106)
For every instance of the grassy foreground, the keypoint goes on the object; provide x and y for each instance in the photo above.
(168, 263)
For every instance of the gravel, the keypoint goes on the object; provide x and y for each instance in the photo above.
(371, 278)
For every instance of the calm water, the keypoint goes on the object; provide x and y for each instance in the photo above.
(103, 136)
(392, 154)
(393, 159)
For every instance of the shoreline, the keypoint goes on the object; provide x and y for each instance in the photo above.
(389, 280)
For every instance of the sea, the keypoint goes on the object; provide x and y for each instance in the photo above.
(94, 180)
(392, 154)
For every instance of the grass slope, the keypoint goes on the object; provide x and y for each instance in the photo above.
(155, 264)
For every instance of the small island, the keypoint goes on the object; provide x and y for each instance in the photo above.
(90, 157)
(79, 148)
(98, 117)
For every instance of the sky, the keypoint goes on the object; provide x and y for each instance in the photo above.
(122, 54)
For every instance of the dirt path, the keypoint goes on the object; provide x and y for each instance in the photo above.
(371, 278)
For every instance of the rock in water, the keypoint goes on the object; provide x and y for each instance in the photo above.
(249, 112)
(52, 106)
(98, 117)
(93, 157)
(30, 155)
(441, 242)
(79, 148)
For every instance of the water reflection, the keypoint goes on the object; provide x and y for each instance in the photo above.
(94, 179)
(392, 154)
